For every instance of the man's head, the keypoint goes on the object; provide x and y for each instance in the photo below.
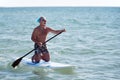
(42, 21)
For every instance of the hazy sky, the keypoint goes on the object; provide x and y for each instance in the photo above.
(17, 3)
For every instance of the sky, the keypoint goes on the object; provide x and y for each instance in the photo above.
(37, 3)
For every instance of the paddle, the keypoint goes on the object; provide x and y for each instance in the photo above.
(16, 62)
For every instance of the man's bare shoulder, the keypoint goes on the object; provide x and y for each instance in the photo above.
(36, 28)
(48, 28)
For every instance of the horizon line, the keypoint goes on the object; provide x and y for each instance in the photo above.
(60, 6)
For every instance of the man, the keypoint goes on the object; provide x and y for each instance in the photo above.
(38, 37)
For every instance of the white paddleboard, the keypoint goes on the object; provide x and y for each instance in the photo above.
(44, 64)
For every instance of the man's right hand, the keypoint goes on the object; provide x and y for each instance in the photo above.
(40, 44)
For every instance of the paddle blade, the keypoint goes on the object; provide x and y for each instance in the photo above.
(15, 63)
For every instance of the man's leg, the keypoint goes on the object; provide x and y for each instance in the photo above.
(45, 57)
(36, 58)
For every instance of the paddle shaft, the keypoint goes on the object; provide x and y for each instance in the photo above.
(42, 44)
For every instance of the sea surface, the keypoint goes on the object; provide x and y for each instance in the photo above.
(91, 42)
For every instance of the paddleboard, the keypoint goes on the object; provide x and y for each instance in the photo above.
(44, 64)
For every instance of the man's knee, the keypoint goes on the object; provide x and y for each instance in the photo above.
(47, 60)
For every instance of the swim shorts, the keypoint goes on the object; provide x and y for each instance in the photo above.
(42, 49)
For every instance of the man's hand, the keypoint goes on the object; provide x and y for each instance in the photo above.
(63, 30)
(40, 44)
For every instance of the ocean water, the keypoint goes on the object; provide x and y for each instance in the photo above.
(91, 42)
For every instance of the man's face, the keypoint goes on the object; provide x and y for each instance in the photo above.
(43, 22)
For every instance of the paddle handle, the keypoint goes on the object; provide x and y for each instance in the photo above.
(52, 37)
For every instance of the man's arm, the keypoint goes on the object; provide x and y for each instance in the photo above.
(56, 31)
(33, 37)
